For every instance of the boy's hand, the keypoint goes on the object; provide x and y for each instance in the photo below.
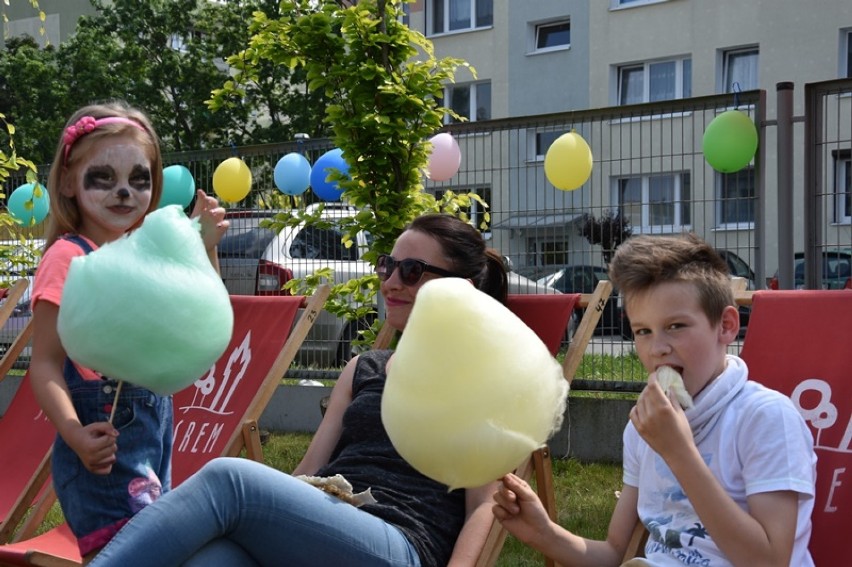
(212, 218)
(660, 420)
(519, 509)
(96, 446)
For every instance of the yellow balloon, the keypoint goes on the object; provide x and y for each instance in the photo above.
(568, 162)
(232, 180)
(471, 390)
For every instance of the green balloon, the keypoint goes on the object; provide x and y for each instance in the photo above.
(730, 141)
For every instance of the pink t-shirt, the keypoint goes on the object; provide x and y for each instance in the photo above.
(50, 279)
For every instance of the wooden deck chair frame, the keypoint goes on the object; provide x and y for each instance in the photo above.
(539, 462)
(246, 437)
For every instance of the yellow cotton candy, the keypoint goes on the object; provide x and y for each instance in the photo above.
(471, 390)
(148, 308)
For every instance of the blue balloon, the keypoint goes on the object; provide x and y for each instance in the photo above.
(292, 174)
(330, 160)
(29, 204)
(178, 187)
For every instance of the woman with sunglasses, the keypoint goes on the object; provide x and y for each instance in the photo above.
(240, 512)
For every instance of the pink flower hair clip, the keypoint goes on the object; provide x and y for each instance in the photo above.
(88, 124)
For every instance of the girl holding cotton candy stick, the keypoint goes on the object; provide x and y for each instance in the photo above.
(240, 512)
(112, 454)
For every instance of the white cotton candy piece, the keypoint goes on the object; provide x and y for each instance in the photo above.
(471, 390)
(148, 308)
(669, 378)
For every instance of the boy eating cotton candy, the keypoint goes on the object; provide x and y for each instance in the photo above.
(729, 481)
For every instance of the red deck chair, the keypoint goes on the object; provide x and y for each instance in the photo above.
(216, 416)
(25, 434)
(800, 343)
(548, 316)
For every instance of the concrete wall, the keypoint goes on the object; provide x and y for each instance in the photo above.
(591, 430)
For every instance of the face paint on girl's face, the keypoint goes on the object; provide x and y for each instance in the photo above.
(105, 178)
(112, 186)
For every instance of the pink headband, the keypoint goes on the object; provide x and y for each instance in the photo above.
(87, 124)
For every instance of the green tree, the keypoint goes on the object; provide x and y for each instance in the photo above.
(608, 231)
(33, 95)
(383, 87)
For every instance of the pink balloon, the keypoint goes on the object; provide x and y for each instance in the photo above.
(445, 160)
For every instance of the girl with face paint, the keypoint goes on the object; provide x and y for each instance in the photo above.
(107, 175)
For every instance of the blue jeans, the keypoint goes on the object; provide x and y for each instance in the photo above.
(239, 512)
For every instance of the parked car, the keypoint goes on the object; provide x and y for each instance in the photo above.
(581, 278)
(739, 268)
(257, 260)
(836, 270)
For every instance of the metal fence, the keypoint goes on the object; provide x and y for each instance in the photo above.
(650, 169)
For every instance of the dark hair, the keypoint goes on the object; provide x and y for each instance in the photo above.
(645, 261)
(465, 250)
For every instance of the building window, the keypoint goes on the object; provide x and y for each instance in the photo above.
(739, 69)
(735, 205)
(658, 80)
(471, 101)
(655, 203)
(543, 140)
(406, 14)
(843, 187)
(553, 35)
(458, 15)
(846, 54)
(479, 215)
(631, 3)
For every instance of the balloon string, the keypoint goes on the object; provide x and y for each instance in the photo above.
(736, 90)
(115, 401)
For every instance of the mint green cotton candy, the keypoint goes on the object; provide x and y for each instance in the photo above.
(147, 308)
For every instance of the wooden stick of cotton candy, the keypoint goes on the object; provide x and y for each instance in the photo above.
(148, 309)
(471, 390)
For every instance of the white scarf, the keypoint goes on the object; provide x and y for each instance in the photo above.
(715, 397)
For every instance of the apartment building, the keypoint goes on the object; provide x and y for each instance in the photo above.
(551, 56)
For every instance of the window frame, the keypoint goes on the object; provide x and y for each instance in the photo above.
(679, 180)
(726, 82)
(536, 31)
(842, 189)
(442, 20)
(721, 199)
(474, 89)
(477, 212)
(682, 79)
(845, 59)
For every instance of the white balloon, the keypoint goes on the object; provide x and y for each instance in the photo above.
(471, 390)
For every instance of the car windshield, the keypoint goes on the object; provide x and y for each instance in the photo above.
(245, 238)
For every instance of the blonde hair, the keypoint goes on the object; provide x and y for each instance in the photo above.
(65, 215)
(645, 261)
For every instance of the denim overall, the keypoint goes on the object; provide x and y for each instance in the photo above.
(94, 505)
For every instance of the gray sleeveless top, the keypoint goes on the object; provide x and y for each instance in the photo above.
(429, 515)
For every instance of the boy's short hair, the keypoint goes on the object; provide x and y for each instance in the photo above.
(645, 261)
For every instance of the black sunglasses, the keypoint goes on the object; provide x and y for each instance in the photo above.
(410, 270)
